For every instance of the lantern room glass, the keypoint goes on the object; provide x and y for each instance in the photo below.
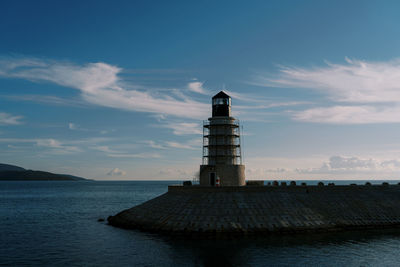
(222, 101)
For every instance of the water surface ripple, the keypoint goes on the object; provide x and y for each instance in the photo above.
(55, 224)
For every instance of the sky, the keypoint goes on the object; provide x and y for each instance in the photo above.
(118, 90)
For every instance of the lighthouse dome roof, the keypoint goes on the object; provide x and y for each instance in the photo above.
(221, 94)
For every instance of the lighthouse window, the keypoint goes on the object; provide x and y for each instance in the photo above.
(221, 101)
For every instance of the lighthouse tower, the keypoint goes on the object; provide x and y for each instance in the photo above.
(222, 161)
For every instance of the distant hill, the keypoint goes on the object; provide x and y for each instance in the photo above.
(15, 173)
(8, 167)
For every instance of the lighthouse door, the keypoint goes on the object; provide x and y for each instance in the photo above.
(212, 178)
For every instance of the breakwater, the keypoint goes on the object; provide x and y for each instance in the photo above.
(266, 209)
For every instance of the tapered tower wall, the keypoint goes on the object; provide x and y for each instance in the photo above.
(222, 141)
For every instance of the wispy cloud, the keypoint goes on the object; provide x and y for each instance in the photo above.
(357, 81)
(183, 128)
(259, 108)
(48, 99)
(323, 167)
(116, 172)
(341, 164)
(197, 87)
(368, 92)
(123, 151)
(55, 146)
(105, 149)
(263, 171)
(75, 127)
(272, 104)
(8, 119)
(179, 145)
(100, 84)
(105, 85)
(360, 114)
(92, 140)
(72, 126)
(248, 97)
(177, 173)
(60, 147)
(191, 144)
(154, 144)
(138, 155)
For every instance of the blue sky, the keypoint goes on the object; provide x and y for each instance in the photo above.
(119, 89)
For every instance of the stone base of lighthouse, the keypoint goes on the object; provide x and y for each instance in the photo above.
(265, 209)
(229, 175)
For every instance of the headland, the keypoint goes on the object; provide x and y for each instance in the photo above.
(15, 173)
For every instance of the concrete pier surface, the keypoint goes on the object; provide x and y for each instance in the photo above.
(265, 209)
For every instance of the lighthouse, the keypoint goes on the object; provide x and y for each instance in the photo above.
(222, 156)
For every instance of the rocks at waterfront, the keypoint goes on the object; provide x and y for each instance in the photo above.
(266, 209)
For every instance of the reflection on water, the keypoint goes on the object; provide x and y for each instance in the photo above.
(55, 223)
(356, 248)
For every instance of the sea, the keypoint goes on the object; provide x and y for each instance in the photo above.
(56, 223)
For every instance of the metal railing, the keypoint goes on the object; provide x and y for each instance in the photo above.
(232, 122)
(223, 144)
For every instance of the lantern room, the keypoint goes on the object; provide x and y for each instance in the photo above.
(221, 105)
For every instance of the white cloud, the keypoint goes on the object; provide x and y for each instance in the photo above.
(349, 163)
(341, 164)
(264, 173)
(184, 128)
(100, 84)
(247, 97)
(193, 144)
(57, 146)
(188, 174)
(105, 149)
(179, 145)
(122, 151)
(138, 155)
(369, 92)
(153, 144)
(107, 131)
(54, 146)
(197, 87)
(49, 143)
(72, 126)
(272, 104)
(319, 167)
(47, 99)
(8, 119)
(76, 127)
(357, 81)
(54, 142)
(392, 164)
(116, 172)
(350, 114)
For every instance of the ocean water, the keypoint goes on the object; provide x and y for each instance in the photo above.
(56, 224)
